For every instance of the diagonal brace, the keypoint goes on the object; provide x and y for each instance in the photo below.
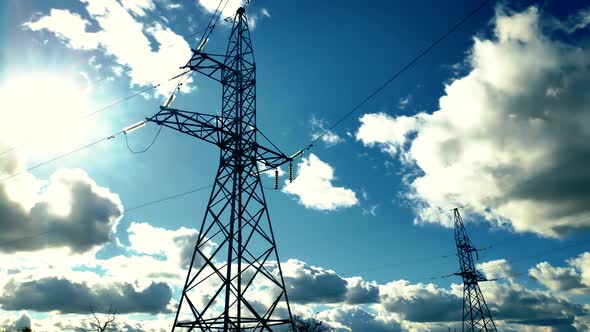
(210, 128)
(209, 66)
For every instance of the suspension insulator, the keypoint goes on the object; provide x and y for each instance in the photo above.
(290, 171)
(277, 178)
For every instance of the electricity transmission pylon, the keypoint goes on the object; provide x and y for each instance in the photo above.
(235, 281)
(476, 315)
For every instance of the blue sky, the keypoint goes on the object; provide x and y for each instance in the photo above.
(495, 117)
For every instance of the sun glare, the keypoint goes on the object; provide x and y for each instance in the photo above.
(45, 108)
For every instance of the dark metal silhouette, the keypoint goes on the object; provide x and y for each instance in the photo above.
(476, 315)
(234, 282)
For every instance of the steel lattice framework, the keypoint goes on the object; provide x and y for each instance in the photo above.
(234, 282)
(476, 315)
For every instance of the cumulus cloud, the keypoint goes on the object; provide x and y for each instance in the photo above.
(517, 304)
(354, 318)
(176, 245)
(575, 278)
(582, 264)
(512, 305)
(359, 291)
(497, 269)
(70, 210)
(395, 306)
(22, 322)
(557, 279)
(65, 296)
(410, 300)
(313, 186)
(510, 137)
(311, 284)
(388, 133)
(120, 35)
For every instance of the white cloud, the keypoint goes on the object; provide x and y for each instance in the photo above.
(128, 282)
(63, 295)
(516, 304)
(577, 22)
(123, 37)
(318, 127)
(311, 284)
(70, 210)
(497, 269)
(557, 279)
(264, 12)
(387, 132)
(499, 141)
(354, 318)
(253, 18)
(313, 186)
(582, 264)
(138, 7)
(78, 322)
(22, 322)
(404, 102)
(231, 6)
(409, 301)
(177, 246)
(571, 280)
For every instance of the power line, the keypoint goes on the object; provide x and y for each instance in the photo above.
(167, 198)
(434, 257)
(395, 76)
(116, 102)
(401, 71)
(95, 82)
(536, 254)
(137, 207)
(546, 229)
(25, 238)
(429, 279)
(62, 156)
(146, 148)
(516, 259)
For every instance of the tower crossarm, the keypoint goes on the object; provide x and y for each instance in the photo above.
(271, 158)
(209, 66)
(472, 276)
(213, 129)
(209, 128)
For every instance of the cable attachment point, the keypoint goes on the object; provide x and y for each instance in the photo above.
(134, 127)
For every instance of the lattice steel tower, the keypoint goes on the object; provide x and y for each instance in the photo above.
(476, 315)
(234, 282)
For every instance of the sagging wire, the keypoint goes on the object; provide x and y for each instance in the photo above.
(146, 148)
(182, 78)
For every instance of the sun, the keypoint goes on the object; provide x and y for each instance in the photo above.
(45, 108)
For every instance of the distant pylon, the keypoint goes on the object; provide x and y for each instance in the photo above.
(476, 315)
(234, 282)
